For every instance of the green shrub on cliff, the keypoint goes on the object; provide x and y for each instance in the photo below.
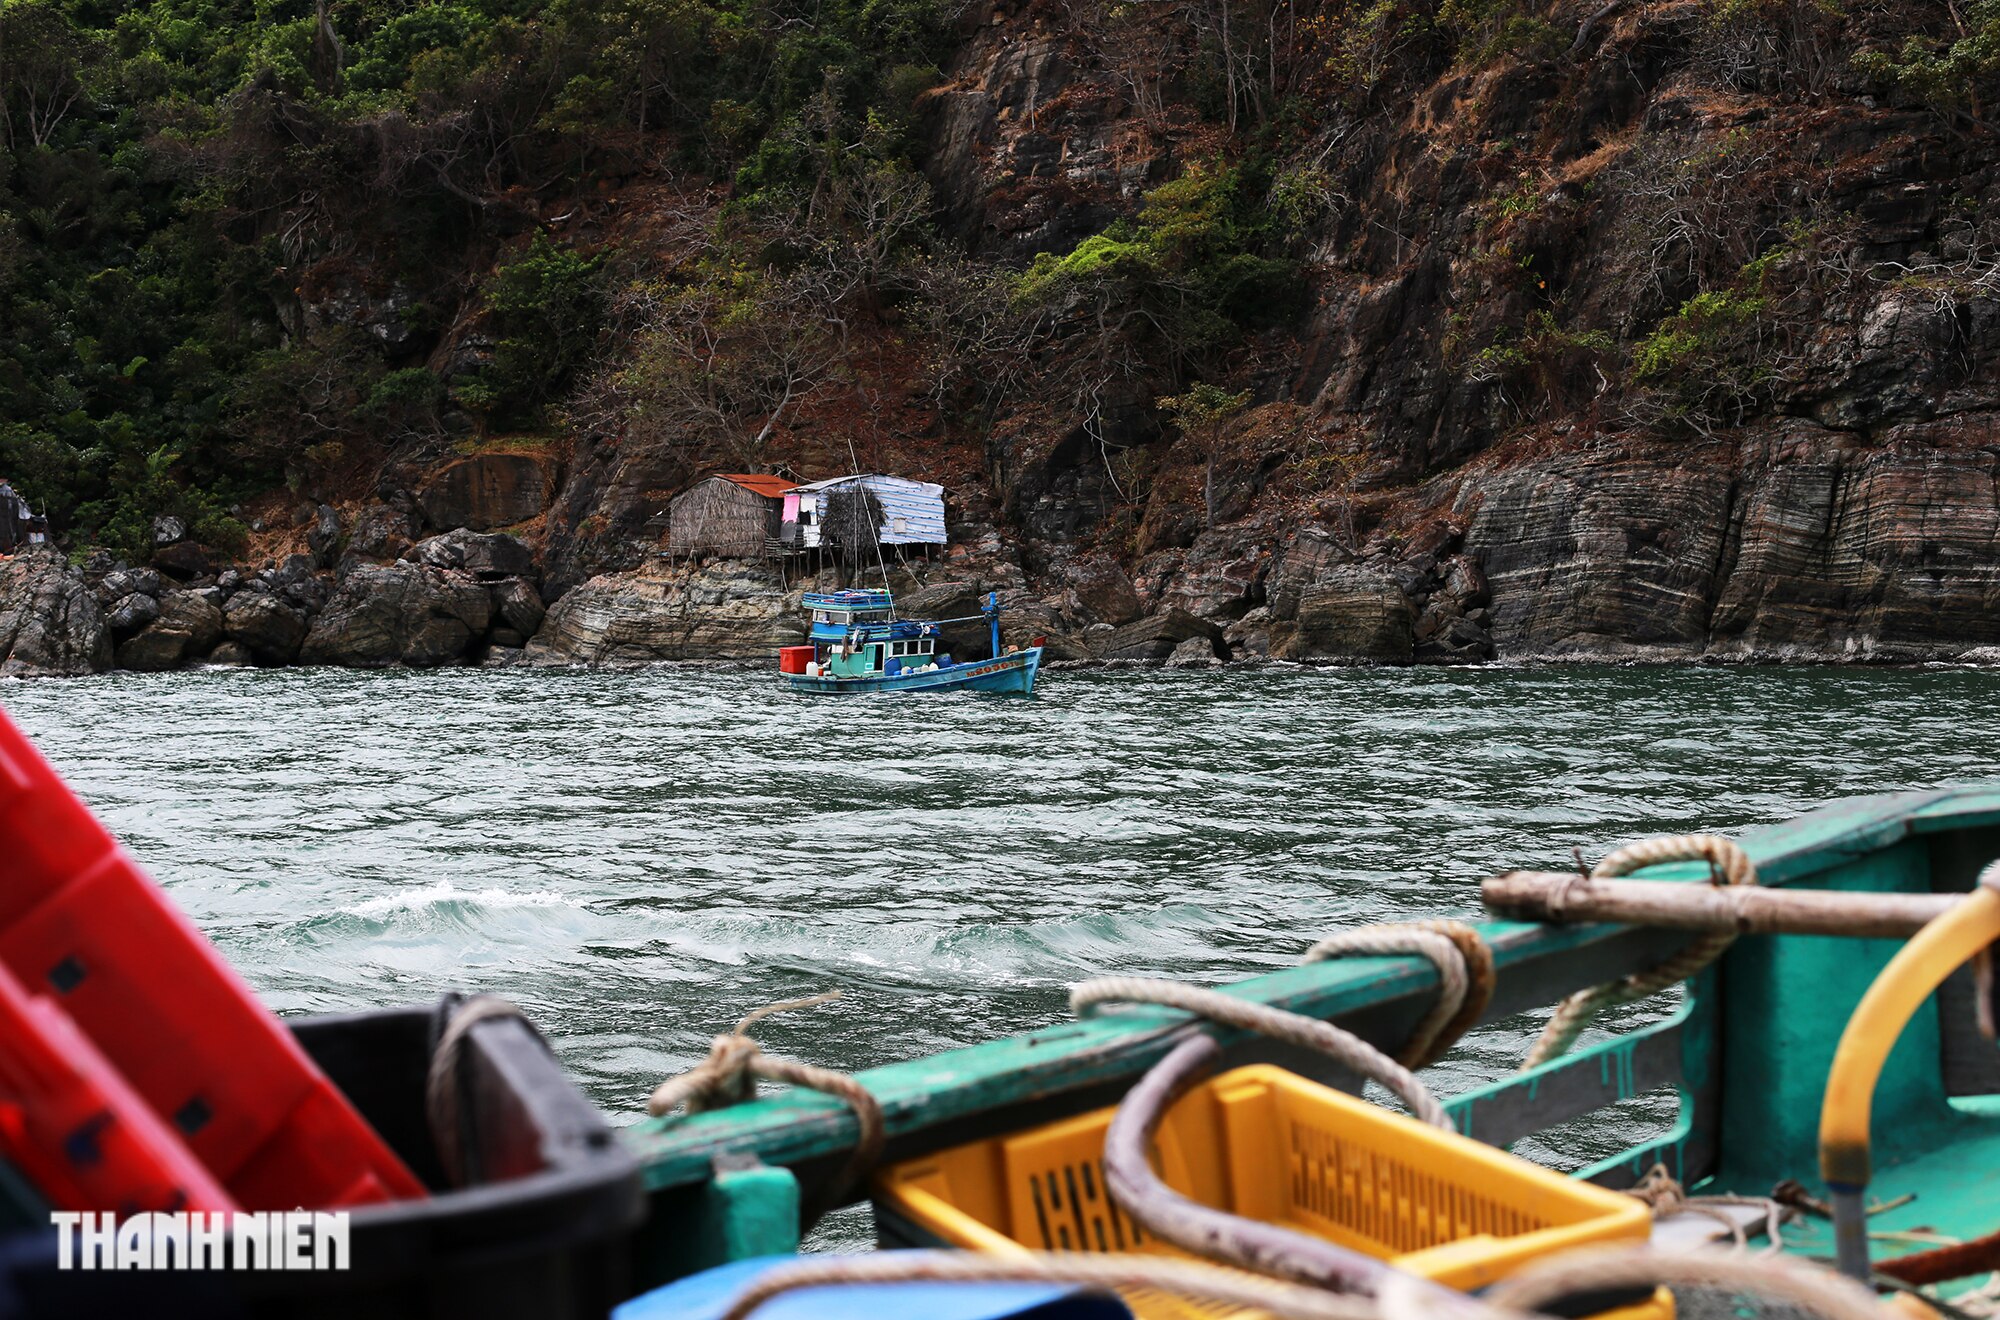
(1202, 264)
(1706, 364)
(1943, 69)
(547, 306)
(1697, 337)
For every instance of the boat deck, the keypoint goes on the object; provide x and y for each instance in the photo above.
(1951, 1191)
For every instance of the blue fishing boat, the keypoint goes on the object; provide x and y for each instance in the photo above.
(857, 644)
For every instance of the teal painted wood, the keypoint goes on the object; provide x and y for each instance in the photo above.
(1786, 1000)
(1679, 1051)
(1074, 1065)
(738, 1214)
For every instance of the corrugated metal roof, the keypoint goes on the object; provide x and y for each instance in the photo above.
(763, 483)
(874, 480)
(912, 511)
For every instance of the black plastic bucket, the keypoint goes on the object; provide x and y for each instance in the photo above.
(540, 1228)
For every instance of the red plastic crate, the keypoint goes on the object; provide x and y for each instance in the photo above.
(793, 659)
(81, 924)
(71, 1124)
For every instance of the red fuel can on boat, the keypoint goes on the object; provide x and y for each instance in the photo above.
(98, 957)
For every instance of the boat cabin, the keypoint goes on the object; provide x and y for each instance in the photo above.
(855, 634)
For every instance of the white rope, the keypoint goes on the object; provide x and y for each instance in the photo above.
(1293, 1028)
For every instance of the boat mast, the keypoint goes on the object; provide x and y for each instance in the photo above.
(874, 530)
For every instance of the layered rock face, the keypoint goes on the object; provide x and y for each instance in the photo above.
(1869, 555)
(1608, 559)
(723, 610)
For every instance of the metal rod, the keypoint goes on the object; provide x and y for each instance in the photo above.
(1850, 1233)
(1745, 909)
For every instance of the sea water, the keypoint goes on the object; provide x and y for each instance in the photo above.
(638, 857)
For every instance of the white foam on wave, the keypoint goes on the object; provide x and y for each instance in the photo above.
(444, 891)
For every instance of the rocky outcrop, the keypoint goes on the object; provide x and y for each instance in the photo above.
(520, 605)
(401, 613)
(323, 536)
(184, 560)
(486, 556)
(1155, 638)
(1353, 614)
(265, 625)
(50, 619)
(1097, 588)
(724, 610)
(131, 612)
(381, 532)
(188, 626)
(486, 491)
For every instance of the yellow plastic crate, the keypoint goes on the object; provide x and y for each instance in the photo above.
(1268, 1145)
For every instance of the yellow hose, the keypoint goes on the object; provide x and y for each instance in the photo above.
(1901, 988)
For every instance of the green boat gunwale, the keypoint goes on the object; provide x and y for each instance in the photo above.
(1071, 1067)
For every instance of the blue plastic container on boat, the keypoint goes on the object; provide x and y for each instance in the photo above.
(707, 1295)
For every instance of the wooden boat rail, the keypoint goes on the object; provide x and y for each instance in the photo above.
(933, 1103)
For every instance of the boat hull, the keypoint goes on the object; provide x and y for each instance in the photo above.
(1012, 672)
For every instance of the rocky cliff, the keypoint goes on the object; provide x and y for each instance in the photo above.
(1640, 331)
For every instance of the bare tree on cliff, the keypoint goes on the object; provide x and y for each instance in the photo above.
(1203, 415)
(43, 63)
(719, 366)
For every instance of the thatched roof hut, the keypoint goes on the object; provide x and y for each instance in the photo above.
(734, 514)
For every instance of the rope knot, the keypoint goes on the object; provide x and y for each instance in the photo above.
(1728, 864)
(729, 1076)
(1660, 1190)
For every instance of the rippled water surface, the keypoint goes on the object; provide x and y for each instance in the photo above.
(637, 857)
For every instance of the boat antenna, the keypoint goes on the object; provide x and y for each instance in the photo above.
(874, 532)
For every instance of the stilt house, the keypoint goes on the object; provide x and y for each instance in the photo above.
(733, 514)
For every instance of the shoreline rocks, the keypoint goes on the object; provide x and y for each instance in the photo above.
(1772, 549)
(50, 620)
(721, 610)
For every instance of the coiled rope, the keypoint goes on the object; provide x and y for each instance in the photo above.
(1179, 1277)
(1465, 977)
(729, 1076)
(1665, 1196)
(1292, 1028)
(1728, 864)
(1598, 1269)
(1588, 1270)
